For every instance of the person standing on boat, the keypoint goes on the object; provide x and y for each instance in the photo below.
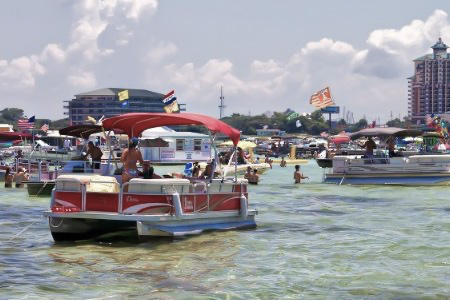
(370, 146)
(67, 145)
(298, 176)
(95, 153)
(241, 157)
(391, 147)
(129, 158)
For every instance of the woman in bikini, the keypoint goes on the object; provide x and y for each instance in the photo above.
(129, 159)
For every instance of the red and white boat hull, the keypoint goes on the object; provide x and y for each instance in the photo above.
(160, 207)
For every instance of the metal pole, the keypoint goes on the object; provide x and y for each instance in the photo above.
(235, 163)
(329, 122)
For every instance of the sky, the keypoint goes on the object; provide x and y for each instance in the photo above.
(268, 55)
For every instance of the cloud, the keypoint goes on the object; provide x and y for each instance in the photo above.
(82, 79)
(20, 72)
(160, 52)
(366, 80)
(109, 44)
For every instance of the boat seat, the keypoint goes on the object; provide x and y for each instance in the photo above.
(94, 183)
(103, 184)
(71, 183)
(199, 187)
(159, 186)
(217, 186)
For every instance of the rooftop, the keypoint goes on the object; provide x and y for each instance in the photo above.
(115, 91)
(439, 45)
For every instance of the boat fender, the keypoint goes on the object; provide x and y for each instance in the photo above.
(244, 208)
(177, 205)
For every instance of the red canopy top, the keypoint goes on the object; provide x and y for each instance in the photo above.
(134, 123)
(13, 136)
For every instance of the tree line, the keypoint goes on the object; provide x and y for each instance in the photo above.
(314, 123)
(12, 115)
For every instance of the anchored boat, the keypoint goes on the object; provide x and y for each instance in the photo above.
(418, 169)
(88, 206)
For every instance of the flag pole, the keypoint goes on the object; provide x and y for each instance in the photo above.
(329, 123)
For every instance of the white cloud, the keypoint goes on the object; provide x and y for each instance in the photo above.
(53, 52)
(265, 67)
(160, 52)
(20, 72)
(82, 79)
(105, 47)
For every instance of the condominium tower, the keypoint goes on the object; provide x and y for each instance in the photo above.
(429, 87)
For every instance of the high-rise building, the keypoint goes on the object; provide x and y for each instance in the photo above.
(429, 87)
(105, 102)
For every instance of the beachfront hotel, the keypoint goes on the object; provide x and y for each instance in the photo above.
(105, 102)
(429, 87)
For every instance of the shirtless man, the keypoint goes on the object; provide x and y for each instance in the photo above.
(370, 146)
(297, 175)
(254, 178)
(129, 158)
(249, 173)
(391, 147)
(95, 153)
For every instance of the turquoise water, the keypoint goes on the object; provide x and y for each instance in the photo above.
(312, 241)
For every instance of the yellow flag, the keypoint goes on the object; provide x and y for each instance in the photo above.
(91, 120)
(123, 95)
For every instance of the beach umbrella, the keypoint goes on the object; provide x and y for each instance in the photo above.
(245, 145)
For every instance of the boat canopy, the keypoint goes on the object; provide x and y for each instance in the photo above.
(133, 124)
(14, 136)
(387, 131)
(83, 131)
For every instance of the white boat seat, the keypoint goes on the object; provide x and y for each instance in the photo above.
(216, 186)
(159, 186)
(94, 183)
(199, 187)
(71, 182)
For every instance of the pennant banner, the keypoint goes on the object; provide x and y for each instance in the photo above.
(322, 98)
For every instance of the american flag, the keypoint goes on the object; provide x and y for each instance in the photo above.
(44, 127)
(24, 124)
(322, 98)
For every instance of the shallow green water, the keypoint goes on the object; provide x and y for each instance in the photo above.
(312, 241)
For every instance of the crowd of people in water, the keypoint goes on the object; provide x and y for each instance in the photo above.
(17, 178)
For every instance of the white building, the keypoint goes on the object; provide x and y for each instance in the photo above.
(181, 147)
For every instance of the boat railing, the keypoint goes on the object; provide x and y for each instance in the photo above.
(180, 201)
(368, 161)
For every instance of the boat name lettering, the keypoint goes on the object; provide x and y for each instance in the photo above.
(131, 199)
